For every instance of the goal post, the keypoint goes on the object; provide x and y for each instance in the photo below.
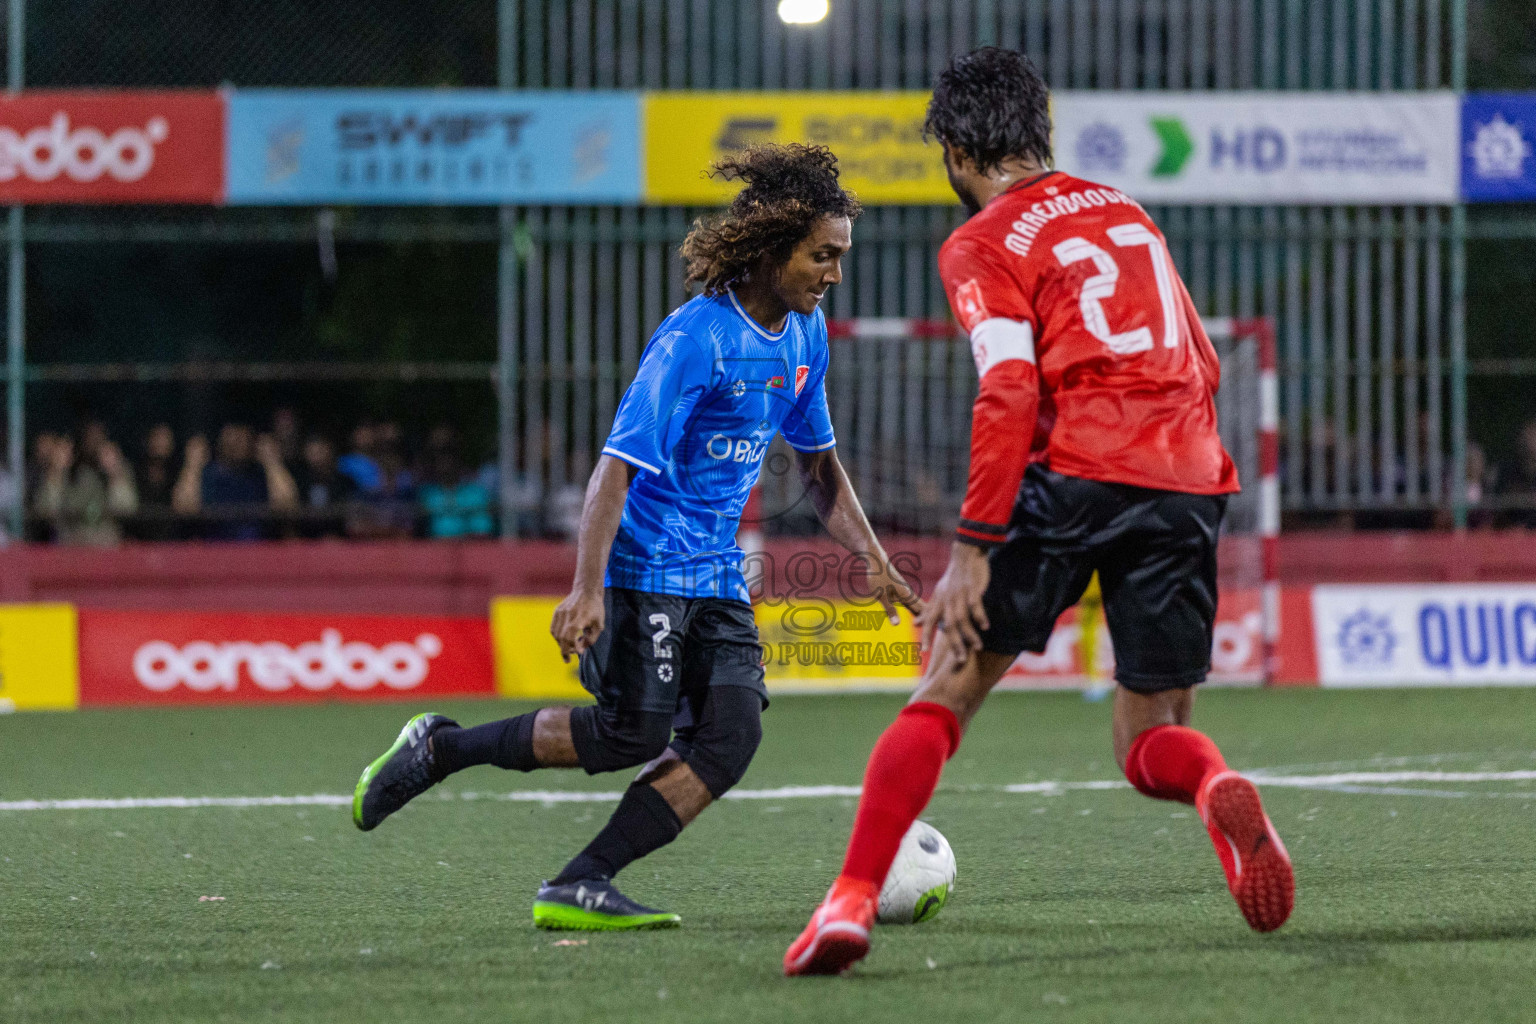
(1248, 415)
(900, 392)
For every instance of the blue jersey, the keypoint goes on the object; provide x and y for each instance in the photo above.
(712, 390)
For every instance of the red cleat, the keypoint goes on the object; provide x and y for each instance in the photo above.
(1257, 866)
(838, 935)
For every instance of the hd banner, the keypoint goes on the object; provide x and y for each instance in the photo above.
(877, 136)
(459, 147)
(1255, 148)
(111, 147)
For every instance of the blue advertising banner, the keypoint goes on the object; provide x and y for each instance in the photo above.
(460, 147)
(1498, 150)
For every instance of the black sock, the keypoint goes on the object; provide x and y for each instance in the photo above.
(505, 744)
(643, 822)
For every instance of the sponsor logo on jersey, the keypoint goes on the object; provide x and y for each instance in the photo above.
(970, 305)
(801, 373)
(745, 449)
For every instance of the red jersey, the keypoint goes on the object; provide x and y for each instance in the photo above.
(1091, 355)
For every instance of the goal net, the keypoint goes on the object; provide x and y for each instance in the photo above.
(901, 390)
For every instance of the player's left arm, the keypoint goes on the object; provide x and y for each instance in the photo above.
(808, 429)
(838, 508)
(1001, 323)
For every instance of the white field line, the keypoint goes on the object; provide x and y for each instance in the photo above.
(1378, 783)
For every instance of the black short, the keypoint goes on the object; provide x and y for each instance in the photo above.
(656, 649)
(1155, 552)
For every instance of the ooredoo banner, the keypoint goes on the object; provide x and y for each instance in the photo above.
(111, 147)
(462, 147)
(198, 657)
(1264, 147)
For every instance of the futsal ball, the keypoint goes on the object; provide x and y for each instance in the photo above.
(920, 879)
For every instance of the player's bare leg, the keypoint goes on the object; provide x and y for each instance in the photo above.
(1165, 759)
(902, 774)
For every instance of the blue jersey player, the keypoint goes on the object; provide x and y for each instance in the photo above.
(659, 613)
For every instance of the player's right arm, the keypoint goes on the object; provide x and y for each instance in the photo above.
(990, 305)
(579, 618)
(673, 372)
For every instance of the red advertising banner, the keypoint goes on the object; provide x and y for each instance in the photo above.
(112, 147)
(1236, 654)
(212, 658)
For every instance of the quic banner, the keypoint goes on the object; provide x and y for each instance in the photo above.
(111, 147)
(197, 657)
(1425, 634)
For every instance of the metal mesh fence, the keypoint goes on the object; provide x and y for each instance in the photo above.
(1367, 299)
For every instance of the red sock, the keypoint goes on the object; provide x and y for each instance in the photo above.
(902, 773)
(1171, 762)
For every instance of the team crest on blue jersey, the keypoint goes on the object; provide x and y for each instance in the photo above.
(801, 373)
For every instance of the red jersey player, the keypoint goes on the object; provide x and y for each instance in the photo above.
(1093, 447)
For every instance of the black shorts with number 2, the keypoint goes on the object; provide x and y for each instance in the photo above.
(661, 653)
(1155, 552)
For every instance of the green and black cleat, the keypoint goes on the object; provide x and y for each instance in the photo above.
(400, 774)
(594, 905)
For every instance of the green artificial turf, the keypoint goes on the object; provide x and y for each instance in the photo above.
(1090, 905)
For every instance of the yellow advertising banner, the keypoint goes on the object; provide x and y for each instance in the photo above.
(808, 645)
(39, 657)
(811, 644)
(877, 136)
(528, 663)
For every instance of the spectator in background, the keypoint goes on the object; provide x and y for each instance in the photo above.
(42, 454)
(9, 492)
(360, 464)
(1518, 484)
(246, 478)
(456, 502)
(157, 484)
(84, 499)
(1482, 481)
(285, 431)
(324, 492)
(388, 511)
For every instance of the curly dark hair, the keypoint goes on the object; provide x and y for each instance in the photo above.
(991, 104)
(787, 189)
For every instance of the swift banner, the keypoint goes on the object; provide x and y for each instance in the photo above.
(460, 147)
(111, 147)
(1425, 634)
(1498, 147)
(877, 136)
(209, 657)
(1261, 148)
